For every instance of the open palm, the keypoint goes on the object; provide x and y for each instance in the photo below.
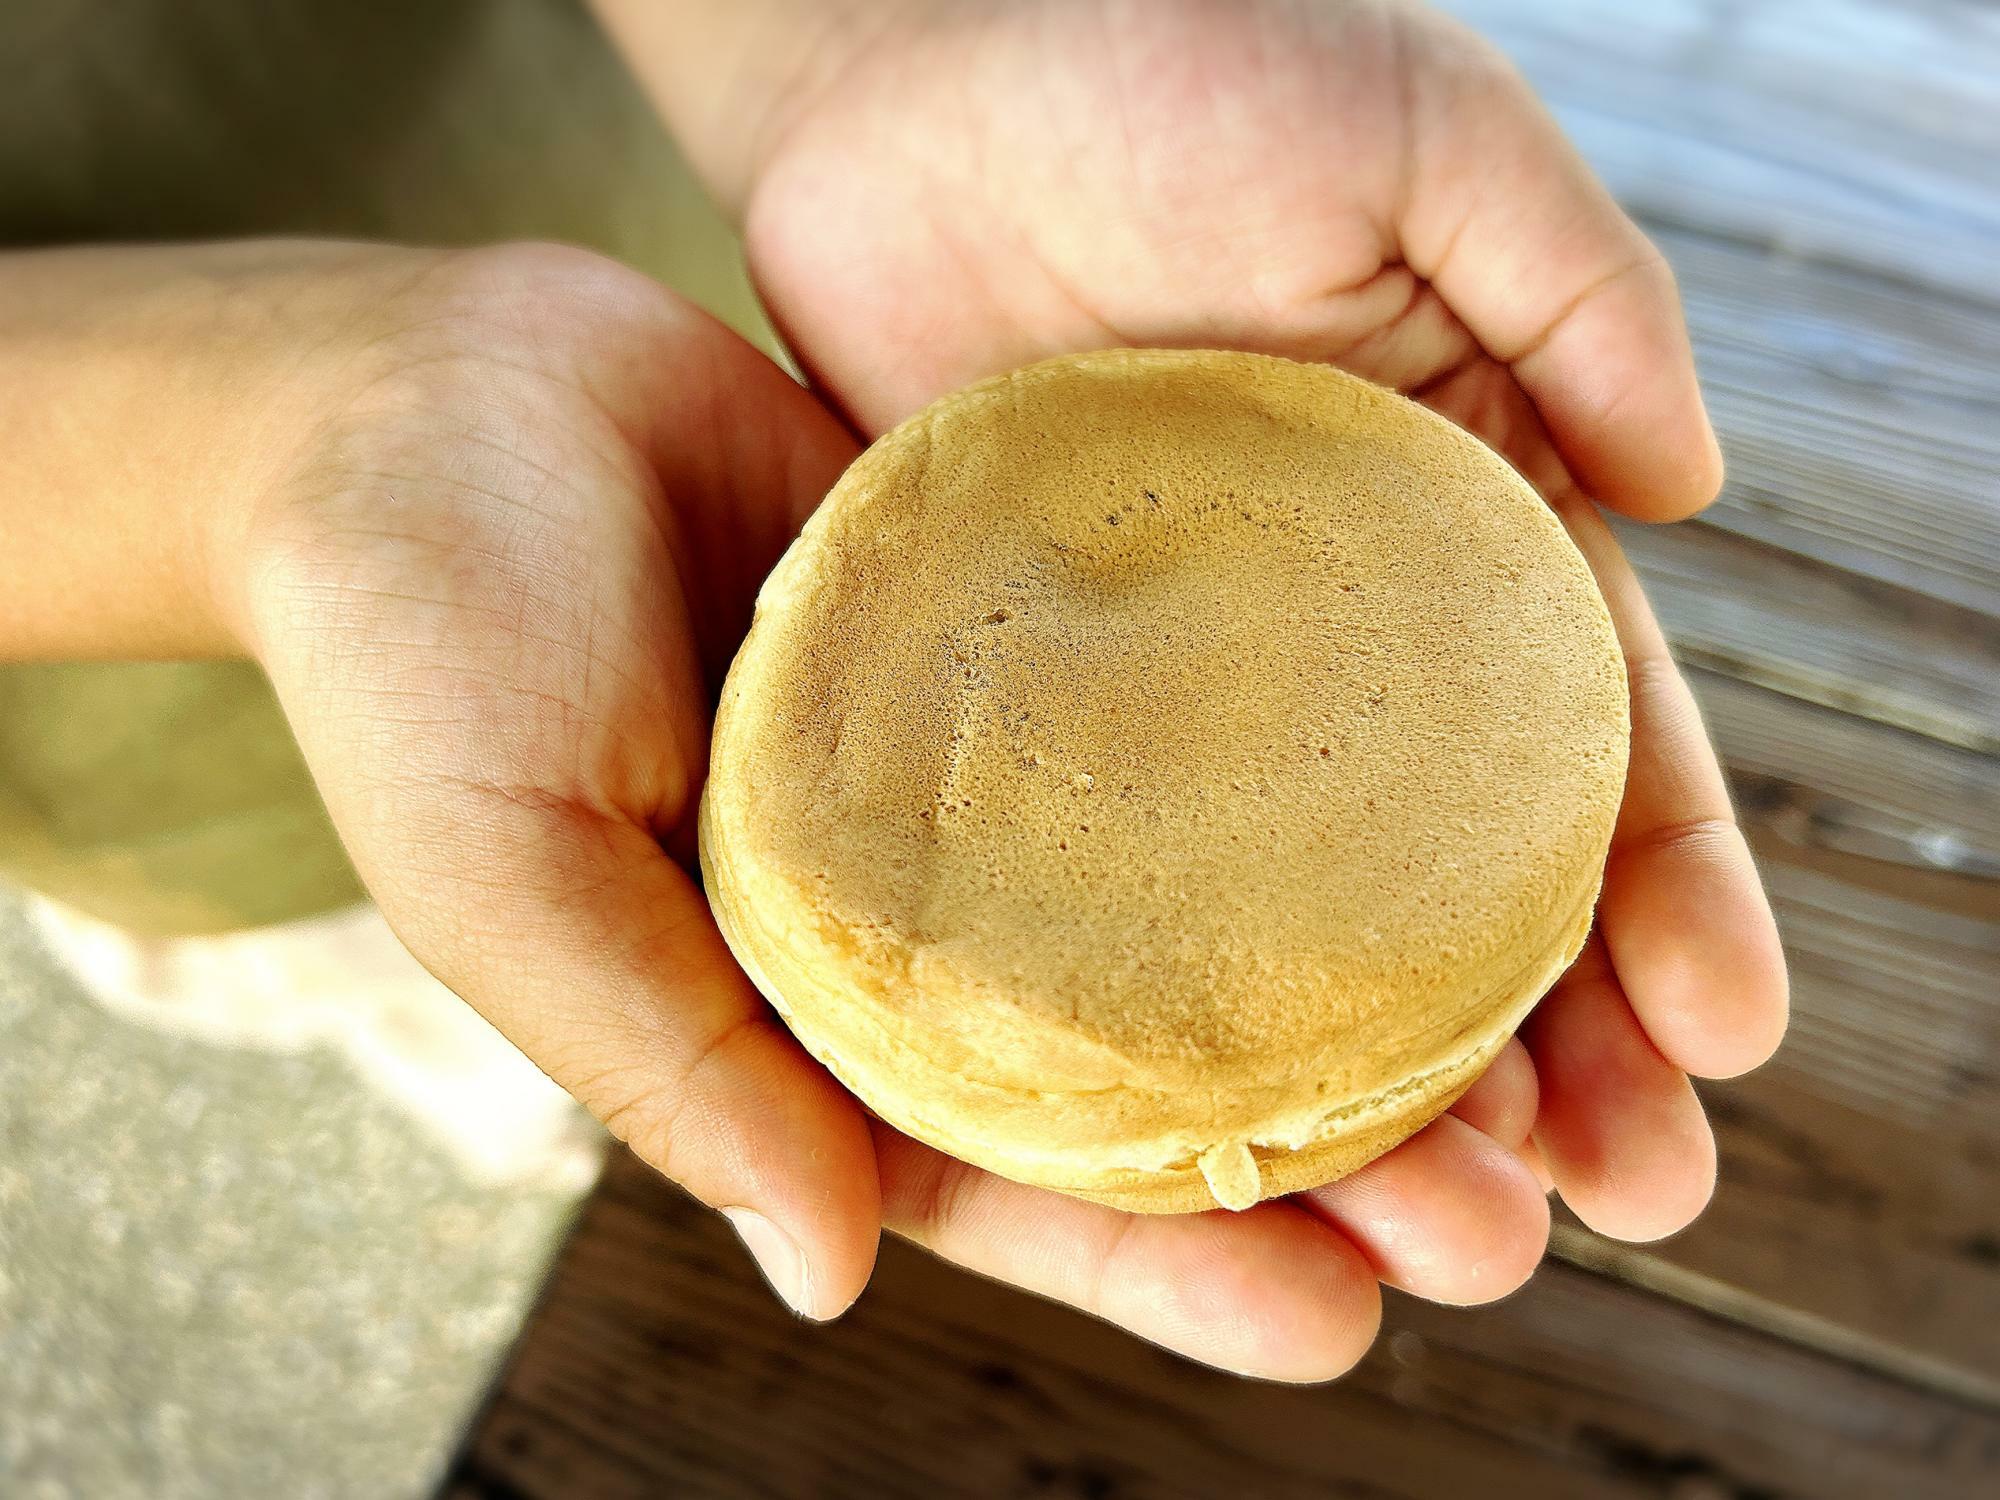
(975, 186)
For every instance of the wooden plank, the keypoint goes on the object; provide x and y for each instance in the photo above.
(657, 1365)
(1860, 418)
(1895, 1013)
(1822, 175)
(1859, 132)
(1834, 638)
(1814, 779)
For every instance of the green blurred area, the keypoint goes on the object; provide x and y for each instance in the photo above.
(170, 798)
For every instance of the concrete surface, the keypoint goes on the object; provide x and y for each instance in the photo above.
(228, 1271)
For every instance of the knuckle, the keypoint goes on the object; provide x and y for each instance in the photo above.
(546, 294)
(655, 1110)
(633, 1108)
(1707, 837)
(940, 1200)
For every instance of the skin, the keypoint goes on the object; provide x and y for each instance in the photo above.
(492, 521)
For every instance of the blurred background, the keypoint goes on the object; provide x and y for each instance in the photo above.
(279, 1216)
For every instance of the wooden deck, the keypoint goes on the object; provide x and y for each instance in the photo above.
(1825, 176)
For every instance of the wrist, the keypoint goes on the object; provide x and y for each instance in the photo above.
(148, 395)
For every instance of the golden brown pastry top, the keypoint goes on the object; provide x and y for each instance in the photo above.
(1177, 720)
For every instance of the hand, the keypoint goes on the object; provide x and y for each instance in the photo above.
(949, 190)
(496, 581)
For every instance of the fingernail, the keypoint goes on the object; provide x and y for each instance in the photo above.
(777, 1256)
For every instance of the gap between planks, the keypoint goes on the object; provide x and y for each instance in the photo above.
(1637, 1267)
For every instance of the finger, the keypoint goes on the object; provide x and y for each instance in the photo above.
(1683, 911)
(1271, 1292)
(1501, 1102)
(1514, 231)
(1621, 1130)
(1482, 396)
(1450, 1215)
(572, 932)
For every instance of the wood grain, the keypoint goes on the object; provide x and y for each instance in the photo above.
(1834, 638)
(1852, 132)
(657, 1365)
(1860, 418)
(1815, 780)
(1821, 174)
(1858, 1170)
(1822, 178)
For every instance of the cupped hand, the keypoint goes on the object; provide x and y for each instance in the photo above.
(496, 585)
(967, 187)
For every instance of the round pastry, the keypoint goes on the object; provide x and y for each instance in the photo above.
(1167, 777)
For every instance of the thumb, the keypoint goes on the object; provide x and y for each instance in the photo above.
(569, 929)
(1515, 233)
